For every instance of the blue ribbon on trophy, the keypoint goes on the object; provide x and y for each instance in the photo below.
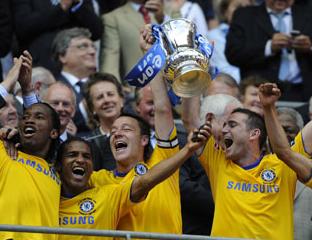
(157, 57)
(204, 45)
(150, 64)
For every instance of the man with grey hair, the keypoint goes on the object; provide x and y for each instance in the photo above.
(41, 79)
(76, 53)
(194, 113)
(62, 98)
(220, 106)
(291, 121)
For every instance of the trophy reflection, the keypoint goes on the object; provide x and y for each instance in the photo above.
(186, 66)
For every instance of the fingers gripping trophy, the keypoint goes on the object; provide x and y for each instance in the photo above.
(182, 53)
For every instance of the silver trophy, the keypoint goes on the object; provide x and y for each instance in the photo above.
(186, 67)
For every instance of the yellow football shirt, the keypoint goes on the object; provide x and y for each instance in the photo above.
(298, 146)
(161, 210)
(97, 208)
(254, 203)
(30, 194)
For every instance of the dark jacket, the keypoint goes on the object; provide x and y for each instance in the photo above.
(249, 32)
(38, 21)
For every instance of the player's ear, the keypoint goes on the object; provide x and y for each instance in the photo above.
(255, 133)
(54, 134)
(144, 140)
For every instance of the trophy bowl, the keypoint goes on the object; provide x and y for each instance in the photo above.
(186, 67)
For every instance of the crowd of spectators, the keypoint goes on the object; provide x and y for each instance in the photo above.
(79, 144)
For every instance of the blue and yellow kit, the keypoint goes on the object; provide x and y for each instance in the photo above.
(254, 203)
(161, 210)
(97, 208)
(30, 194)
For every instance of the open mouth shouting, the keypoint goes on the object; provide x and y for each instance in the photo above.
(29, 131)
(120, 145)
(78, 172)
(228, 142)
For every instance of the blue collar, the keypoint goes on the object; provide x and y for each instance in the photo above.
(68, 195)
(119, 174)
(255, 164)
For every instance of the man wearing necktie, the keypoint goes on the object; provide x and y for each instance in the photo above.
(260, 41)
(75, 52)
(120, 46)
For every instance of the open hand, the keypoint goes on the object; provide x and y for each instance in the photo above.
(11, 79)
(25, 73)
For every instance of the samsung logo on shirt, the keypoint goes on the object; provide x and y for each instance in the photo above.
(256, 187)
(39, 168)
(76, 220)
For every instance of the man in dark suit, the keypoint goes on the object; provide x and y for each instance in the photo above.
(260, 42)
(38, 21)
(74, 50)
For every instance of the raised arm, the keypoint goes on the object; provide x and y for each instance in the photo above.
(143, 184)
(163, 113)
(9, 82)
(190, 113)
(269, 94)
(24, 79)
(21, 72)
(190, 106)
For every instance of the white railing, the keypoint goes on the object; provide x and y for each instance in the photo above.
(107, 233)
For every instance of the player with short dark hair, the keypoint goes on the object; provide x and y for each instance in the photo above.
(129, 142)
(251, 190)
(102, 207)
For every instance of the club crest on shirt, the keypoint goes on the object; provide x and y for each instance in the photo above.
(268, 175)
(86, 206)
(140, 169)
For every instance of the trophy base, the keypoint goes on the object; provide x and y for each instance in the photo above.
(190, 80)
